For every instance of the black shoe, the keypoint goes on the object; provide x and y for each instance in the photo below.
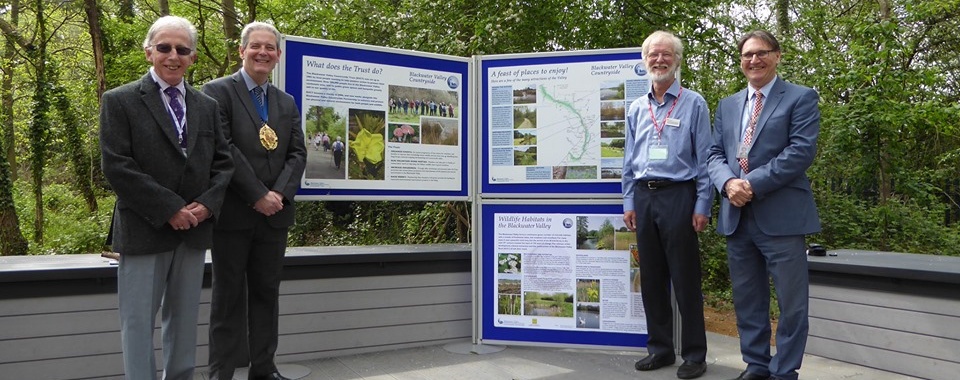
(654, 361)
(272, 376)
(750, 376)
(691, 370)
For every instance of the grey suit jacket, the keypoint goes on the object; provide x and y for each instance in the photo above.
(259, 170)
(143, 162)
(785, 143)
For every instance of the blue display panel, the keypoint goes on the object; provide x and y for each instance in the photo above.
(559, 273)
(401, 117)
(552, 124)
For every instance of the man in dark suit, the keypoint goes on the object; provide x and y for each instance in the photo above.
(262, 125)
(765, 138)
(168, 162)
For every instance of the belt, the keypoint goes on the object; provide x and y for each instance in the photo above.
(660, 183)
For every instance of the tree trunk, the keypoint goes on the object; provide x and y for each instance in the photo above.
(783, 18)
(93, 21)
(74, 141)
(40, 124)
(164, 7)
(12, 241)
(6, 96)
(232, 32)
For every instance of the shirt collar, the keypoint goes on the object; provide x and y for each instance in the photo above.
(163, 85)
(673, 90)
(251, 83)
(765, 90)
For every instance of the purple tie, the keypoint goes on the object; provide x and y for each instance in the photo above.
(177, 108)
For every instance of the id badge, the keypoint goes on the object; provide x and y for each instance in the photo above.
(673, 122)
(743, 151)
(657, 152)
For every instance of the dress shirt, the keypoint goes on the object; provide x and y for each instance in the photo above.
(687, 144)
(748, 107)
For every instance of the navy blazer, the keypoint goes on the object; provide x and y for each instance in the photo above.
(259, 170)
(144, 164)
(785, 143)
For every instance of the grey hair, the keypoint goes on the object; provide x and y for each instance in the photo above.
(255, 26)
(171, 22)
(761, 35)
(659, 36)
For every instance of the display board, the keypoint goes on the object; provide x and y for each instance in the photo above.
(558, 273)
(400, 117)
(552, 124)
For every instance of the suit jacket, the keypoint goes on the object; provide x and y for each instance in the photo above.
(259, 170)
(785, 143)
(144, 164)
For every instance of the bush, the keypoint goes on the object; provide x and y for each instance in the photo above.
(69, 228)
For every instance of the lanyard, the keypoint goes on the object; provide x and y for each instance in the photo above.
(659, 126)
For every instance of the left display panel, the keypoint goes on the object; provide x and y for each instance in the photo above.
(380, 123)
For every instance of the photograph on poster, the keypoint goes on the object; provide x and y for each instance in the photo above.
(576, 273)
(611, 148)
(609, 129)
(437, 131)
(612, 90)
(508, 297)
(574, 172)
(615, 110)
(525, 137)
(407, 104)
(525, 94)
(525, 155)
(365, 147)
(524, 117)
(405, 133)
(588, 303)
(323, 125)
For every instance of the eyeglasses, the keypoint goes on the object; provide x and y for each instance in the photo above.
(759, 54)
(166, 48)
(656, 56)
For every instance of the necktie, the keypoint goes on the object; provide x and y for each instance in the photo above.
(751, 127)
(177, 109)
(258, 102)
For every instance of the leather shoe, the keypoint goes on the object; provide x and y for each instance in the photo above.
(691, 370)
(654, 361)
(750, 376)
(272, 376)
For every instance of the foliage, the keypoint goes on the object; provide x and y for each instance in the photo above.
(71, 228)
(377, 223)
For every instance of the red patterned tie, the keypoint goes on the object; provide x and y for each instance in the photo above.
(751, 126)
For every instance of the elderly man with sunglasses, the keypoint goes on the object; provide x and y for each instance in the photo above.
(166, 158)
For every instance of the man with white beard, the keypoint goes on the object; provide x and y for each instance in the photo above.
(666, 201)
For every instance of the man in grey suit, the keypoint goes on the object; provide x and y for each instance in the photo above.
(262, 125)
(168, 162)
(765, 138)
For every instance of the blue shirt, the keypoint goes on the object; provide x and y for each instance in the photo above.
(687, 144)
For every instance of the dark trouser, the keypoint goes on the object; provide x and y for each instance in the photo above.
(244, 309)
(669, 250)
(754, 258)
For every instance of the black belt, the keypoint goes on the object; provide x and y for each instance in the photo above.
(660, 183)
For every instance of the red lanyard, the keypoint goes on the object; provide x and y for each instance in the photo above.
(659, 126)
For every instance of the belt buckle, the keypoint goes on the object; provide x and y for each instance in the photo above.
(652, 185)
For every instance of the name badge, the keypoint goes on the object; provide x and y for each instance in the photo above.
(673, 122)
(657, 152)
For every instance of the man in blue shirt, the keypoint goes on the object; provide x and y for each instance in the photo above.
(666, 200)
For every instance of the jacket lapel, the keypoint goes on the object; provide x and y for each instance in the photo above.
(773, 100)
(244, 95)
(194, 112)
(150, 95)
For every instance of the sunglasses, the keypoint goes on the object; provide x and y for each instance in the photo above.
(166, 48)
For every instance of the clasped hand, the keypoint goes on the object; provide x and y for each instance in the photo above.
(739, 192)
(269, 204)
(189, 216)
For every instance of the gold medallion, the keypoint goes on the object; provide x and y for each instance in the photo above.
(268, 138)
